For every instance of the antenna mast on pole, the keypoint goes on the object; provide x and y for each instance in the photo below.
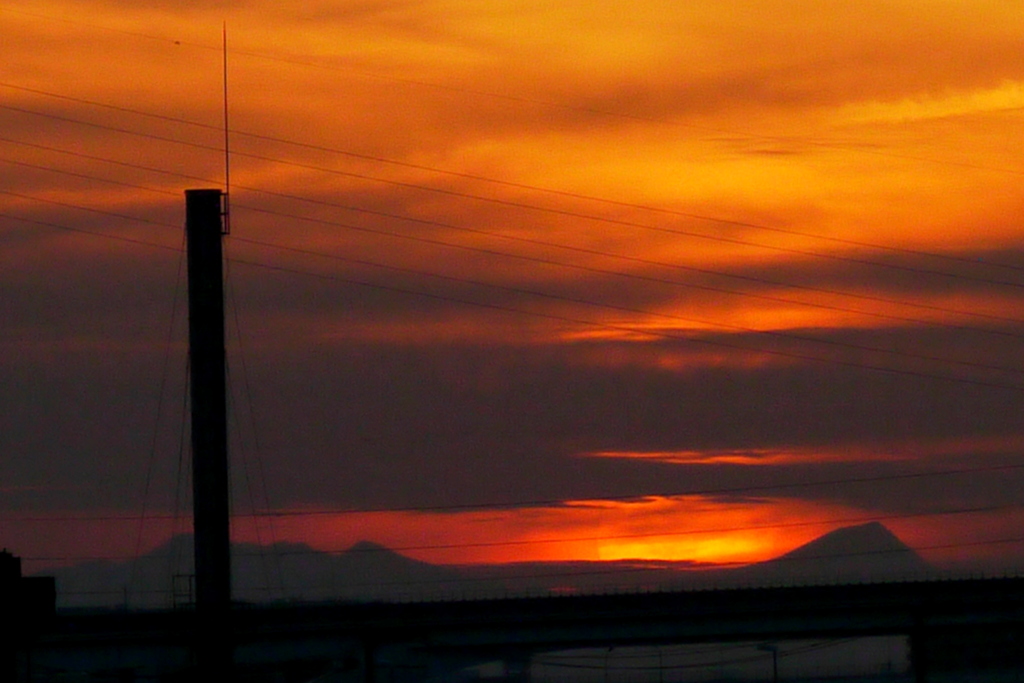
(227, 141)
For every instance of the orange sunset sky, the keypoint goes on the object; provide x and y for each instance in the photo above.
(522, 280)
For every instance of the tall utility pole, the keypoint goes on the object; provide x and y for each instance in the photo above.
(204, 230)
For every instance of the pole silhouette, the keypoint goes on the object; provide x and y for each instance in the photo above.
(204, 230)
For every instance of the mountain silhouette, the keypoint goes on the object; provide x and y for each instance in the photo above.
(867, 552)
(368, 571)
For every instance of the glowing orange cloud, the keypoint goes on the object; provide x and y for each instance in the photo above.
(891, 451)
(762, 457)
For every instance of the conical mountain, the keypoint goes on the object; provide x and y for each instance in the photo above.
(867, 552)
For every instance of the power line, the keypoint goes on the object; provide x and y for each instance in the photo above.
(161, 395)
(79, 207)
(548, 210)
(114, 237)
(633, 567)
(657, 534)
(526, 186)
(86, 176)
(107, 160)
(603, 537)
(75, 22)
(640, 331)
(771, 333)
(626, 309)
(621, 328)
(251, 412)
(677, 534)
(632, 259)
(559, 502)
(571, 248)
(92, 233)
(307, 61)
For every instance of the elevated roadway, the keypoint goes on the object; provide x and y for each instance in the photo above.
(955, 628)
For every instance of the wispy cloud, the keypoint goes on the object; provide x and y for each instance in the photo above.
(1008, 97)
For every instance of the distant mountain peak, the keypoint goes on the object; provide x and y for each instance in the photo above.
(369, 547)
(871, 538)
(863, 552)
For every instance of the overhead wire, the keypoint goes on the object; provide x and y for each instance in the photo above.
(509, 543)
(92, 233)
(560, 502)
(547, 210)
(250, 412)
(638, 566)
(312, 62)
(79, 22)
(632, 329)
(864, 519)
(80, 207)
(526, 186)
(87, 176)
(183, 473)
(627, 309)
(236, 442)
(161, 396)
(581, 568)
(716, 576)
(635, 260)
(583, 250)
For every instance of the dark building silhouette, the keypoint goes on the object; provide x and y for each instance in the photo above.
(28, 605)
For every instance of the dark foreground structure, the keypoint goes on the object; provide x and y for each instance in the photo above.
(27, 606)
(958, 631)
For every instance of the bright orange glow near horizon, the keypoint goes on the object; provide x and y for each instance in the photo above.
(686, 532)
(679, 529)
